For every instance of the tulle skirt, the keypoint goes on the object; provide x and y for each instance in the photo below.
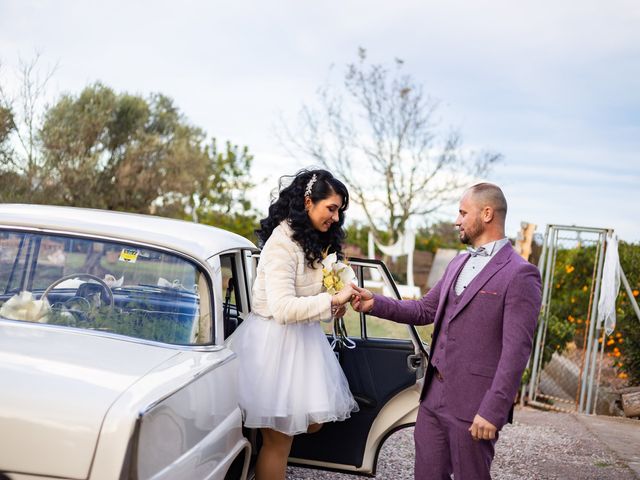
(289, 376)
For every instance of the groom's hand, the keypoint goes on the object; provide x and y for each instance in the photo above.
(482, 429)
(362, 301)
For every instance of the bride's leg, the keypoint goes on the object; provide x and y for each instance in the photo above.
(272, 458)
(314, 427)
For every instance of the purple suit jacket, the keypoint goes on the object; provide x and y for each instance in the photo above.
(490, 334)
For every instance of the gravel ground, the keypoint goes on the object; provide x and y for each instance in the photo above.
(539, 445)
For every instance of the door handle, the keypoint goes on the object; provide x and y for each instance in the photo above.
(414, 362)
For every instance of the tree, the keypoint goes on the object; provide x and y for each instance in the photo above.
(440, 234)
(225, 187)
(107, 150)
(222, 197)
(10, 182)
(21, 166)
(6, 127)
(120, 151)
(379, 133)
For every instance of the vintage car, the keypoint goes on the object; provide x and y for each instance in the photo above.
(114, 356)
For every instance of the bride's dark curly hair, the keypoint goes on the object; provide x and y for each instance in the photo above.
(290, 206)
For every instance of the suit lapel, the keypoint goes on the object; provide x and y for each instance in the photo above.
(498, 262)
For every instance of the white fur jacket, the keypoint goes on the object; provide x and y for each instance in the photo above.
(286, 288)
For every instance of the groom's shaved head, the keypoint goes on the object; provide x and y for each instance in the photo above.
(490, 195)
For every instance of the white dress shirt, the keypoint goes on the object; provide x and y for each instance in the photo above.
(475, 264)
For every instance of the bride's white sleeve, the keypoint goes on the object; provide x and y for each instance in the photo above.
(280, 262)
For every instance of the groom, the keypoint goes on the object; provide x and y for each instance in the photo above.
(484, 311)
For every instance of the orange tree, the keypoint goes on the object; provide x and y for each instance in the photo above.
(570, 295)
(570, 312)
(626, 340)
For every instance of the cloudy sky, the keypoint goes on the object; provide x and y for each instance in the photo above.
(552, 85)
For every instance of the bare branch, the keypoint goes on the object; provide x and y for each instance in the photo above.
(379, 132)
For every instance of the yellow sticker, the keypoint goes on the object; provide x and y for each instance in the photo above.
(129, 255)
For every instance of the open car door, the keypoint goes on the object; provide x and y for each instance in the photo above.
(384, 363)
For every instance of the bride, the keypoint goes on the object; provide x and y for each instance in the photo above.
(290, 379)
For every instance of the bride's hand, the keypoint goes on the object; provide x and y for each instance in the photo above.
(339, 311)
(343, 296)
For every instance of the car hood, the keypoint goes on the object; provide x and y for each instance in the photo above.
(56, 386)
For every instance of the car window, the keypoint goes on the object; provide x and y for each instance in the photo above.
(380, 328)
(101, 285)
(376, 327)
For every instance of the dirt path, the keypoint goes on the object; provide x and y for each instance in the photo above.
(539, 445)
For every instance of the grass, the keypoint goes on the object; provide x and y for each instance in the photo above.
(378, 327)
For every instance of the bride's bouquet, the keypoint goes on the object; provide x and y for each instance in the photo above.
(335, 274)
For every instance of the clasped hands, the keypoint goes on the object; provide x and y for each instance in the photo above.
(361, 300)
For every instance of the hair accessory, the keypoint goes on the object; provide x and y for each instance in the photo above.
(307, 191)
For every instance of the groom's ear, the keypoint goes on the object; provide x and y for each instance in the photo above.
(487, 214)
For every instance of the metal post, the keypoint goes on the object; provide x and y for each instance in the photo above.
(550, 236)
(532, 357)
(595, 400)
(627, 288)
(551, 272)
(592, 354)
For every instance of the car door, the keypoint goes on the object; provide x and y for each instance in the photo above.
(384, 363)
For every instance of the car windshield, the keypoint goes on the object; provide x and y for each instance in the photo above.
(104, 286)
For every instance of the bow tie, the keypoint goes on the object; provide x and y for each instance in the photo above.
(478, 252)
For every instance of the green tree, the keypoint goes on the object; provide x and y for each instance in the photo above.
(21, 164)
(626, 349)
(221, 199)
(102, 149)
(120, 151)
(224, 188)
(12, 185)
(570, 313)
(437, 235)
(6, 126)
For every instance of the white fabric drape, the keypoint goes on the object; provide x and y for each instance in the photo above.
(405, 245)
(609, 287)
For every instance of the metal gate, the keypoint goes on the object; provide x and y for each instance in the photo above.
(568, 384)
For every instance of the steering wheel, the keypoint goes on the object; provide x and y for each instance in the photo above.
(103, 286)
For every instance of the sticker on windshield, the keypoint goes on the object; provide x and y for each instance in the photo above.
(129, 255)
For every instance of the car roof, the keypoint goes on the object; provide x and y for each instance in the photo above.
(194, 239)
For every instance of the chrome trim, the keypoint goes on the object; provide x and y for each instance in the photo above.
(114, 336)
(70, 233)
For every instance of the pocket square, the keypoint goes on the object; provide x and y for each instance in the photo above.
(488, 292)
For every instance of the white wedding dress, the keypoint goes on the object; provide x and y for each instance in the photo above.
(289, 376)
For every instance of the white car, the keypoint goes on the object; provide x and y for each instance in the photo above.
(114, 361)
